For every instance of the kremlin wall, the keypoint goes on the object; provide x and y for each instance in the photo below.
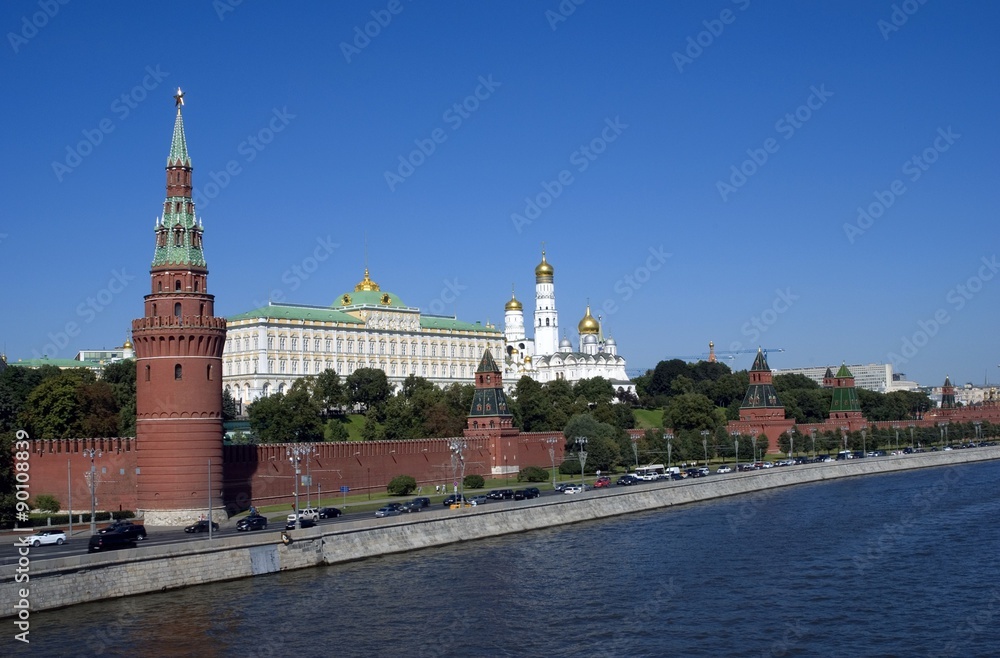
(177, 469)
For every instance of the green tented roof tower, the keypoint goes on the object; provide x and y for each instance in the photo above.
(845, 404)
(761, 400)
(948, 394)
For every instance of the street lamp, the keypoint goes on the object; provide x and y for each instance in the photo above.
(864, 445)
(91, 452)
(552, 456)
(458, 453)
(979, 430)
(753, 440)
(791, 442)
(704, 444)
(736, 448)
(812, 433)
(635, 450)
(911, 434)
(843, 432)
(295, 454)
(669, 437)
(581, 441)
(896, 427)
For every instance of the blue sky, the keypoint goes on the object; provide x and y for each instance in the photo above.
(694, 169)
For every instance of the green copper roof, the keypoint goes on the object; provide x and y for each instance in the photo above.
(451, 324)
(368, 298)
(292, 312)
(760, 363)
(843, 372)
(489, 402)
(829, 373)
(761, 396)
(59, 363)
(487, 364)
(947, 380)
(845, 398)
(178, 145)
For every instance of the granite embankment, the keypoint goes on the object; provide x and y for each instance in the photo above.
(60, 582)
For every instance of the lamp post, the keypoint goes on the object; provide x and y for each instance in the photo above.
(864, 443)
(552, 456)
(753, 440)
(458, 452)
(704, 444)
(669, 437)
(979, 430)
(843, 433)
(91, 452)
(69, 494)
(295, 454)
(896, 427)
(210, 499)
(791, 442)
(736, 449)
(635, 450)
(911, 435)
(812, 433)
(581, 441)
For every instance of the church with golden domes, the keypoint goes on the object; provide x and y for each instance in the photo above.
(544, 357)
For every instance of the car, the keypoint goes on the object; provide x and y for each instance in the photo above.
(202, 526)
(47, 537)
(329, 512)
(519, 494)
(479, 500)
(531, 492)
(423, 501)
(108, 541)
(573, 489)
(724, 469)
(309, 513)
(601, 482)
(255, 522)
(627, 480)
(304, 522)
(410, 507)
(392, 509)
(133, 530)
(451, 499)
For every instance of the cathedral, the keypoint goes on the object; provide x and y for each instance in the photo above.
(545, 357)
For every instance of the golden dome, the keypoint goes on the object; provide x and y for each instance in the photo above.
(544, 270)
(513, 304)
(366, 284)
(127, 345)
(589, 324)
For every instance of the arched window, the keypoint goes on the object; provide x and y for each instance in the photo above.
(196, 285)
(159, 286)
(177, 310)
(154, 308)
(209, 373)
(177, 284)
(177, 371)
(147, 373)
(546, 322)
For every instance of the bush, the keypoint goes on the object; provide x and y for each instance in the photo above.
(533, 474)
(570, 467)
(473, 482)
(47, 503)
(402, 485)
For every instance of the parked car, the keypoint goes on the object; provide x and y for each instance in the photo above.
(392, 509)
(47, 537)
(133, 530)
(309, 513)
(479, 500)
(601, 482)
(627, 480)
(423, 501)
(573, 489)
(531, 492)
(304, 522)
(410, 507)
(108, 541)
(252, 523)
(519, 494)
(202, 526)
(724, 469)
(329, 512)
(451, 499)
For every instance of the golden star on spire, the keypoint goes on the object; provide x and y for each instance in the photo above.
(179, 98)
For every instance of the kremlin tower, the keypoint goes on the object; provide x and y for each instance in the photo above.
(178, 346)
(546, 318)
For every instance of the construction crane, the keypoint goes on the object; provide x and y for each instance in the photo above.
(731, 355)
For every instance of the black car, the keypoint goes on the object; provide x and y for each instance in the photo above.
(132, 530)
(109, 541)
(531, 492)
(422, 501)
(329, 512)
(452, 499)
(252, 523)
(202, 526)
(412, 506)
(627, 480)
(304, 522)
(519, 494)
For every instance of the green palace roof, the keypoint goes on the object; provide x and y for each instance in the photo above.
(296, 312)
(58, 363)
(369, 298)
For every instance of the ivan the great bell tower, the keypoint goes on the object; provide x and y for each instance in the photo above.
(178, 347)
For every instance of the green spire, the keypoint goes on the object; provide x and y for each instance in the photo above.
(178, 146)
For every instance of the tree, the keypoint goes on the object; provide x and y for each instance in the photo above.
(329, 390)
(691, 411)
(532, 474)
(473, 481)
(401, 485)
(229, 407)
(368, 387)
(287, 417)
(52, 409)
(97, 409)
(15, 385)
(120, 375)
(335, 431)
(47, 503)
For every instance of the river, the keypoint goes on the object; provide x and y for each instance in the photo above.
(901, 564)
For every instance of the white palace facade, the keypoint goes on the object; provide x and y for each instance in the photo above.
(268, 348)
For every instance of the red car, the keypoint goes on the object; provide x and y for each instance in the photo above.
(603, 481)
